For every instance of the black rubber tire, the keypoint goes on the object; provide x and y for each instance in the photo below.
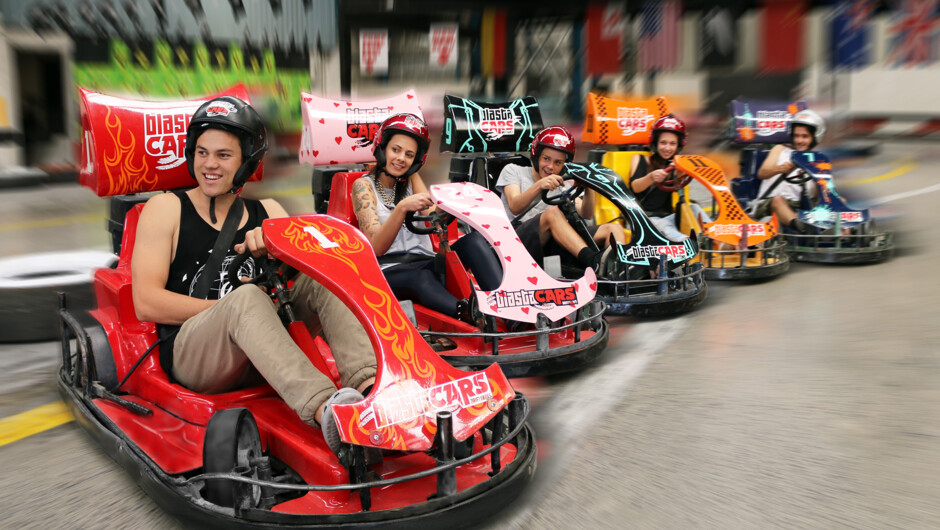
(28, 287)
(232, 440)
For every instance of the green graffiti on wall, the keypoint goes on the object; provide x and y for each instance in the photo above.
(185, 71)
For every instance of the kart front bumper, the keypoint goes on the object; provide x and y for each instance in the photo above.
(540, 357)
(842, 249)
(655, 297)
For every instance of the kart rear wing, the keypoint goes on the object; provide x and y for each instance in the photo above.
(341, 131)
(610, 121)
(134, 146)
(337, 135)
(756, 122)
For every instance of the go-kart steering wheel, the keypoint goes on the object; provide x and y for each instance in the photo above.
(267, 271)
(673, 182)
(569, 194)
(799, 178)
(439, 217)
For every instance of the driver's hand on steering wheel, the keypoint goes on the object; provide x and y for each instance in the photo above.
(659, 175)
(253, 243)
(416, 203)
(550, 182)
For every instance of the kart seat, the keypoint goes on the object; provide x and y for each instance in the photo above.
(493, 166)
(746, 187)
(340, 205)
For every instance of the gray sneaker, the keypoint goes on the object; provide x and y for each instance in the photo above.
(331, 432)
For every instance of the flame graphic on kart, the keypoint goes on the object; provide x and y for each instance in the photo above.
(121, 167)
(317, 244)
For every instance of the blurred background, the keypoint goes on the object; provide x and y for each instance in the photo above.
(869, 66)
(803, 402)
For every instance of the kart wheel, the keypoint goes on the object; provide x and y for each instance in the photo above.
(232, 442)
(28, 286)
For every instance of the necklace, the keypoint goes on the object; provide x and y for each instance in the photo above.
(389, 202)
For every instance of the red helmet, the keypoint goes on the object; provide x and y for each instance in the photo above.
(668, 123)
(408, 124)
(555, 138)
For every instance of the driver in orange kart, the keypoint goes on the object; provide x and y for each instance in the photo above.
(668, 139)
(216, 338)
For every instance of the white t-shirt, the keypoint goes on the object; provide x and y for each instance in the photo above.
(789, 191)
(522, 176)
(406, 241)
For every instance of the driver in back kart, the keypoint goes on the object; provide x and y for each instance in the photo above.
(226, 338)
(544, 229)
(778, 196)
(666, 141)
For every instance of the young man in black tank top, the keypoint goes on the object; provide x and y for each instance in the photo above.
(227, 338)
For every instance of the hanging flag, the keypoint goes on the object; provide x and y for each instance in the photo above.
(660, 36)
(604, 44)
(913, 33)
(373, 51)
(719, 37)
(851, 34)
(443, 46)
(782, 31)
(493, 42)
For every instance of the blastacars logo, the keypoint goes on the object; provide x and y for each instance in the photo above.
(362, 123)
(653, 251)
(771, 121)
(498, 122)
(220, 108)
(632, 120)
(754, 229)
(165, 138)
(543, 298)
(397, 405)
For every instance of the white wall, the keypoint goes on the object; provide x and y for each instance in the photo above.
(10, 154)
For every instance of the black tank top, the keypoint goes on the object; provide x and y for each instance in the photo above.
(194, 245)
(655, 202)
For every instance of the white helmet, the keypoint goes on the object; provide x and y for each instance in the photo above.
(809, 118)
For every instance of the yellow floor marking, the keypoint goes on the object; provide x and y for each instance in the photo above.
(906, 168)
(56, 221)
(33, 421)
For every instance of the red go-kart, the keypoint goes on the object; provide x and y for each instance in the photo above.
(456, 444)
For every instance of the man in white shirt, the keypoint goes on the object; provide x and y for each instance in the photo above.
(776, 194)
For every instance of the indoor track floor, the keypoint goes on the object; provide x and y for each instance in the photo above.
(808, 401)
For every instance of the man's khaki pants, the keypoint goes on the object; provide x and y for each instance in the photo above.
(219, 349)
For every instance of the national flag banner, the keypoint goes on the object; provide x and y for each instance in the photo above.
(851, 34)
(373, 51)
(493, 42)
(782, 33)
(719, 37)
(913, 33)
(604, 29)
(443, 45)
(660, 37)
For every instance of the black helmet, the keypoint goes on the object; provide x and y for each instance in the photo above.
(234, 116)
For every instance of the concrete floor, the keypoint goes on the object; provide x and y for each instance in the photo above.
(808, 401)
